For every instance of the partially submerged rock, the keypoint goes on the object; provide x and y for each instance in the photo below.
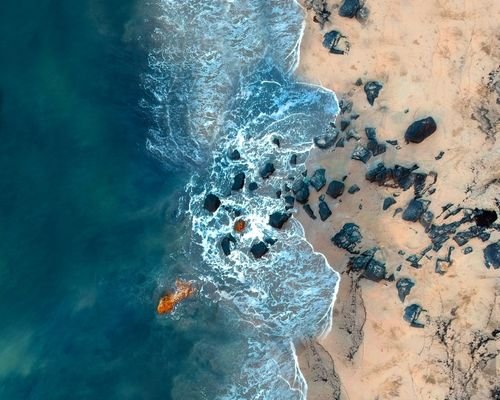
(234, 155)
(348, 237)
(301, 190)
(336, 43)
(267, 170)
(278, 219)
(326, 140)
(238, 181)
(183, 290)
(420, 130)
(404, 286)
(225, 244)
(212, 203)
(372, 90)
(259, 249)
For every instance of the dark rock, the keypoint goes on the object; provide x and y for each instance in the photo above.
(276, 141)
(388, 201)
(278, 194)
(324, 210)
(403, 176)
(336, 43)
(426, 219)
(267, 170)
(349, 8)
(492, 255)
(211, 203)
(307, 208)
(392, 142)
(375, 147)
(419, 183)
(348, 237)
(363, 14)
(270, 241)
(234, 155)
(361, 153)
(414, 210)
(289, 201)
(485, 218)
(344, 124)
(439, 156)
(293, 159)
(411, 314)
(468, 250)
(259, 249)
(225, 243)
(372, 90)
(414, 260)
(439, 234)
(373, 269)
(335, 189)
(420, 130)
(327, 140)
(340, 142)
(354, 116)
(239, 181)
(301, 190)
(318, 179)
(359, 82)
(404, 286)
(463, 237)
(345, 106)
(321, 13)
(353, 189)
(278, 219)
(379, 174)
(253, 186)
(371, 133)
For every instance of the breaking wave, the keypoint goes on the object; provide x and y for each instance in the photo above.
(221, 79)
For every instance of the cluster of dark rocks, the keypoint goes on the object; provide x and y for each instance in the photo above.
(336, 43)
(320, 8)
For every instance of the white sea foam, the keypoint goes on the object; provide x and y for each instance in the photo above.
(221, 79)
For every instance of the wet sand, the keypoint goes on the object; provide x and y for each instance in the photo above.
(438, 59)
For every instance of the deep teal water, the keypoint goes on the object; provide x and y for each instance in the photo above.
(87, 236)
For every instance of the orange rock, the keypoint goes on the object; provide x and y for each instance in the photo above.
(183, 290)
(240, 225)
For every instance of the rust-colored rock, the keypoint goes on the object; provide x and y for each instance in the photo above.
(240, 225)
(183, 290)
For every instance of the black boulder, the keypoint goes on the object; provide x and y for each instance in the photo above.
(372, 90)
(388, 201)
(278, 219)
(259, 249)
(348, 237)
(309, 211)
(335, 189)
(238, 181)
(318, 179)
(211, 203)
(267, 170)
(226, 244)
(349, 8)
(404, 286)
(324, 210)
(420, 130)
(492, 255)
(301, 190)
(414, 210)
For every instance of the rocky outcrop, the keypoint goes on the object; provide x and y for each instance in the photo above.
(183, 290)
(348, 238)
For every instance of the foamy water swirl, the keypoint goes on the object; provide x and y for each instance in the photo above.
(222, 75)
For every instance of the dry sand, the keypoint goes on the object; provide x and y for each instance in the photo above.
(434, 58)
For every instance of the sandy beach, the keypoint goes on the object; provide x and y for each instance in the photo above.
(438, 59)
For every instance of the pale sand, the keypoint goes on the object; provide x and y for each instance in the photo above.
(433, 58)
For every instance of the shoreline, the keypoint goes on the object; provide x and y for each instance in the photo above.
(371, 351)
